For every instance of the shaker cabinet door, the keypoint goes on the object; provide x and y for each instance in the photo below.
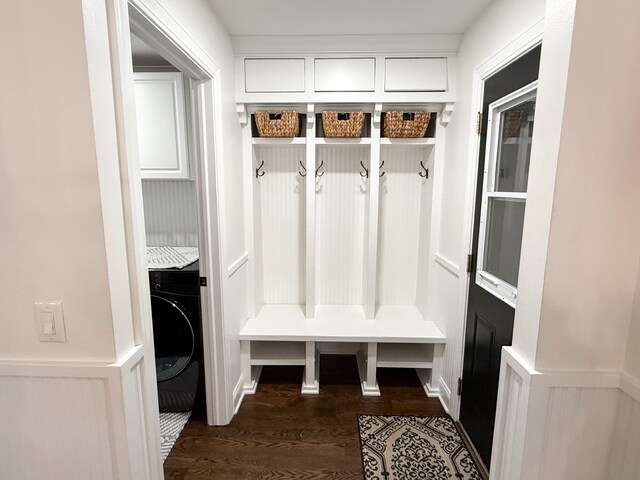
(162, 132)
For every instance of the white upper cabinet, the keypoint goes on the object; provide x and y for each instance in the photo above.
(415, 75)
(274, 75)
(345, 74)
(162, 126)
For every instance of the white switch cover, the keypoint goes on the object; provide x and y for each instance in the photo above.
(50, 322)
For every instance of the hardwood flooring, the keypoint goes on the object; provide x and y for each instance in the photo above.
(280, 434)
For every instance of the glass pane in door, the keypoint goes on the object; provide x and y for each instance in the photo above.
(505, 219)
(514, 148)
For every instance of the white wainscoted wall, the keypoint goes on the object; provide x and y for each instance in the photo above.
(74, 420)
(448, 311)
(170, 212)
(570, 425)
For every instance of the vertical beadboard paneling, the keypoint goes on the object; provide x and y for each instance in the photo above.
(399, 226)
(579, 433)
(509, 428)
(282, 193)
(55, 428)
(340, 210)
(624, 461)
(447, 313)
(170, 212)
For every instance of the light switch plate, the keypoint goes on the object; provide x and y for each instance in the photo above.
(50, 322)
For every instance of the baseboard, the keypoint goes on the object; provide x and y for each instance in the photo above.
(441, 392)
(251, 387)
(238, 394)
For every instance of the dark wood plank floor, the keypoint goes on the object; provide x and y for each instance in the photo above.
(280, 434)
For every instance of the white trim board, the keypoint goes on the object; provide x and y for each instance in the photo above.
(426, 44)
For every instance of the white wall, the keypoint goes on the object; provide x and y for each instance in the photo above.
(53, 224)
(593, 256)
(198, 18)
(502, 23)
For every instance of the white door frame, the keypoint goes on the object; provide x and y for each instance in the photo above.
(526, 42)
(152, 23)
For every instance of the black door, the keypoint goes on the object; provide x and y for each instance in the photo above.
(489, 324)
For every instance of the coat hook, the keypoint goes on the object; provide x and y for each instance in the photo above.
(426, 171)
(303, 168)
(318, 175)
(258, 172)
(382, 165)
(364, 174)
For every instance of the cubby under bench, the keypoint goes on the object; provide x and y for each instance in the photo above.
(398, 337)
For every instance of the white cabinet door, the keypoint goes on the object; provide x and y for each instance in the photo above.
(415, 75)
(274, 75)
(345, 74)
(162, 132)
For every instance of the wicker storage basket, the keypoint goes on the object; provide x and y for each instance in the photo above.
(282, 124)
(337, 124)
(405, 124)
(514, 120)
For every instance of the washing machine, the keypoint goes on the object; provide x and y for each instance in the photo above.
(177, 337)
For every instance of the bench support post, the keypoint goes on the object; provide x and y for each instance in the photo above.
(310, 383)
(367, 364)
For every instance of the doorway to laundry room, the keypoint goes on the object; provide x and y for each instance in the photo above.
(166, 144)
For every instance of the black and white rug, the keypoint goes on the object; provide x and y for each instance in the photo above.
(409, 448)
(171, 424)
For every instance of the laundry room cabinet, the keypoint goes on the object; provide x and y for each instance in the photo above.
(339, 240)
(161, 113)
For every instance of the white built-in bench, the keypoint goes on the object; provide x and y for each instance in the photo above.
(398, 337)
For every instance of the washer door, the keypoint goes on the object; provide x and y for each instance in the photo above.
(173, 337)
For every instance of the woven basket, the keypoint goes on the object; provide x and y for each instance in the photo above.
(405, 124)
(338, 125)
(281, 124)
(514, 120)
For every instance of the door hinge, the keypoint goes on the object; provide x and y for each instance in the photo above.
(479, 123)
(469, 263)
(203, 281)
(459, 386)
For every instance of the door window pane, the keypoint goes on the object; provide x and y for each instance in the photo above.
(505, 219)
(514, 148)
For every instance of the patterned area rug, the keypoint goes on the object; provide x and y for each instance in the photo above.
(409, 448)
(171, 424)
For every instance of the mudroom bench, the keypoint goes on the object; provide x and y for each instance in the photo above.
(398, 337)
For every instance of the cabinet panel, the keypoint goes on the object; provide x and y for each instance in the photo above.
(274, 75)
(415, 75)
(345, 74)
(160, 114)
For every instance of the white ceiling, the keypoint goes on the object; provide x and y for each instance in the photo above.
(343, 17)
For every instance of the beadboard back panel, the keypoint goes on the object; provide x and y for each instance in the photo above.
(401, 190)
(340, 209)
(282, 198)
(170, 212)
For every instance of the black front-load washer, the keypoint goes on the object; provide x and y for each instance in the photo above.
(177, 337)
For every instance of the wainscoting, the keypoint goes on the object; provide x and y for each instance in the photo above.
(74, 421)
(448, 317)
(582, 426)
